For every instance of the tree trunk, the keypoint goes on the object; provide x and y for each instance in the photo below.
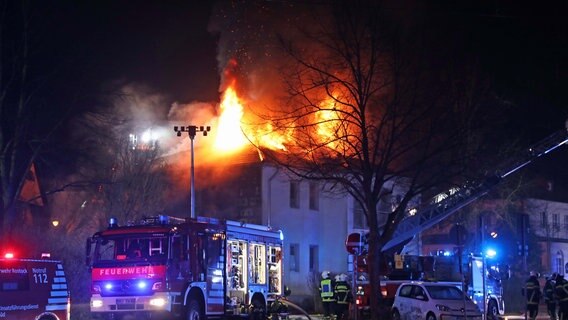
(376, 299)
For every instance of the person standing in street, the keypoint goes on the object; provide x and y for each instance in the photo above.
(533, 293)
(561, 290)
(327, 294)
(550, 296)
(343, 297)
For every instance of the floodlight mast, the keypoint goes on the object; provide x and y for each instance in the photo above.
(192, 132)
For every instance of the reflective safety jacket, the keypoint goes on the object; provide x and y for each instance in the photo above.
(549, 295)
(561, 289)
(326, 290)
(533, 291)
(342, 292)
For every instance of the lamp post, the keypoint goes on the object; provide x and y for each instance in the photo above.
(192, 132)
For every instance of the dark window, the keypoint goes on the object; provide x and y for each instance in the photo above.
(294, 194)
(419, 293)
(314, 196)
(405, 291)
(294, 257)
(314, 258)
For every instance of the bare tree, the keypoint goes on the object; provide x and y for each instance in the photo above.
(366, 109)
(125, 176)
(22, 135)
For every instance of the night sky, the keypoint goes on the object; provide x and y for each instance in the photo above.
(178, 49)
(167, 45)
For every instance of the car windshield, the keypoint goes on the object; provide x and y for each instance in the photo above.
(444, 292)
(131, 248)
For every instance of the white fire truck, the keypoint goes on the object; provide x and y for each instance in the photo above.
(33, 289)
(191, 268)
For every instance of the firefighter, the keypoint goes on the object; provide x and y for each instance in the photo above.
(550, 296)
(343, 296)
(326, 293)
(561, 290)
(533, 293)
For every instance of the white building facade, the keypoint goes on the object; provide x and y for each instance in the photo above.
(549, 221)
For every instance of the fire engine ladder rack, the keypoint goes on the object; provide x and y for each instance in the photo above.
(457, 198)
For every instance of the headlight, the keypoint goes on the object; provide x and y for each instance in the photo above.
(442, 307)
(96, 303)
(158, 302)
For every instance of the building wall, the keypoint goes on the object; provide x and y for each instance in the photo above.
(549, 221)
(324, 229)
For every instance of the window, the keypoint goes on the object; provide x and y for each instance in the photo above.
(543, 219)
(359, 221)
(295, 257)
(555, 222)
(405, 291)
(559, 262)
(418, 293)
(294, 194)
(314, 196)
(566, 221)
(314, 258)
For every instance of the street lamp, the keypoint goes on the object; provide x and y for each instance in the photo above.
(192, 132)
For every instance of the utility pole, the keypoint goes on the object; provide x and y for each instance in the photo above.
(192, 132)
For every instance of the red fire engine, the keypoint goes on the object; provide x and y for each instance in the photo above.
(33, 289)
(189, 268)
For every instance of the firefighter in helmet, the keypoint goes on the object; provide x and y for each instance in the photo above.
(533, 293)
(561, 290)
(550, 296)
(343, 296)
(327, 295)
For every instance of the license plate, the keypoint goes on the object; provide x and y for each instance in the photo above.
(126, 301)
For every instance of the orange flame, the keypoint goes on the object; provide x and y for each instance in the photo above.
(230, 137)
(233, 134)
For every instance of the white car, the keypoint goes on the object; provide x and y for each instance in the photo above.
(433, 301)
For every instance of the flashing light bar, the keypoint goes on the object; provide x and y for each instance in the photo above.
(9, 255)
(112, 223)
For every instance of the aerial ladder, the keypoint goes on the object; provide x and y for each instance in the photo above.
(447, 203)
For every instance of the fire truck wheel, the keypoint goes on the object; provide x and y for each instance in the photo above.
(492, 310)
(258, 310)
(395, 315)
(194, 311)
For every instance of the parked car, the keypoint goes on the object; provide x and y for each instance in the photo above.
(433, 301)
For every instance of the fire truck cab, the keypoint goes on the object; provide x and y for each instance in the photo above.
(33, 289)
(191, 268)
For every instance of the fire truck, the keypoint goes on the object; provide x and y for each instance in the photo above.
(434, 211)
(33, 289)
(192, 268)
(465, 273)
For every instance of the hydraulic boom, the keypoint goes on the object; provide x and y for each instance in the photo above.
(457, 198)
